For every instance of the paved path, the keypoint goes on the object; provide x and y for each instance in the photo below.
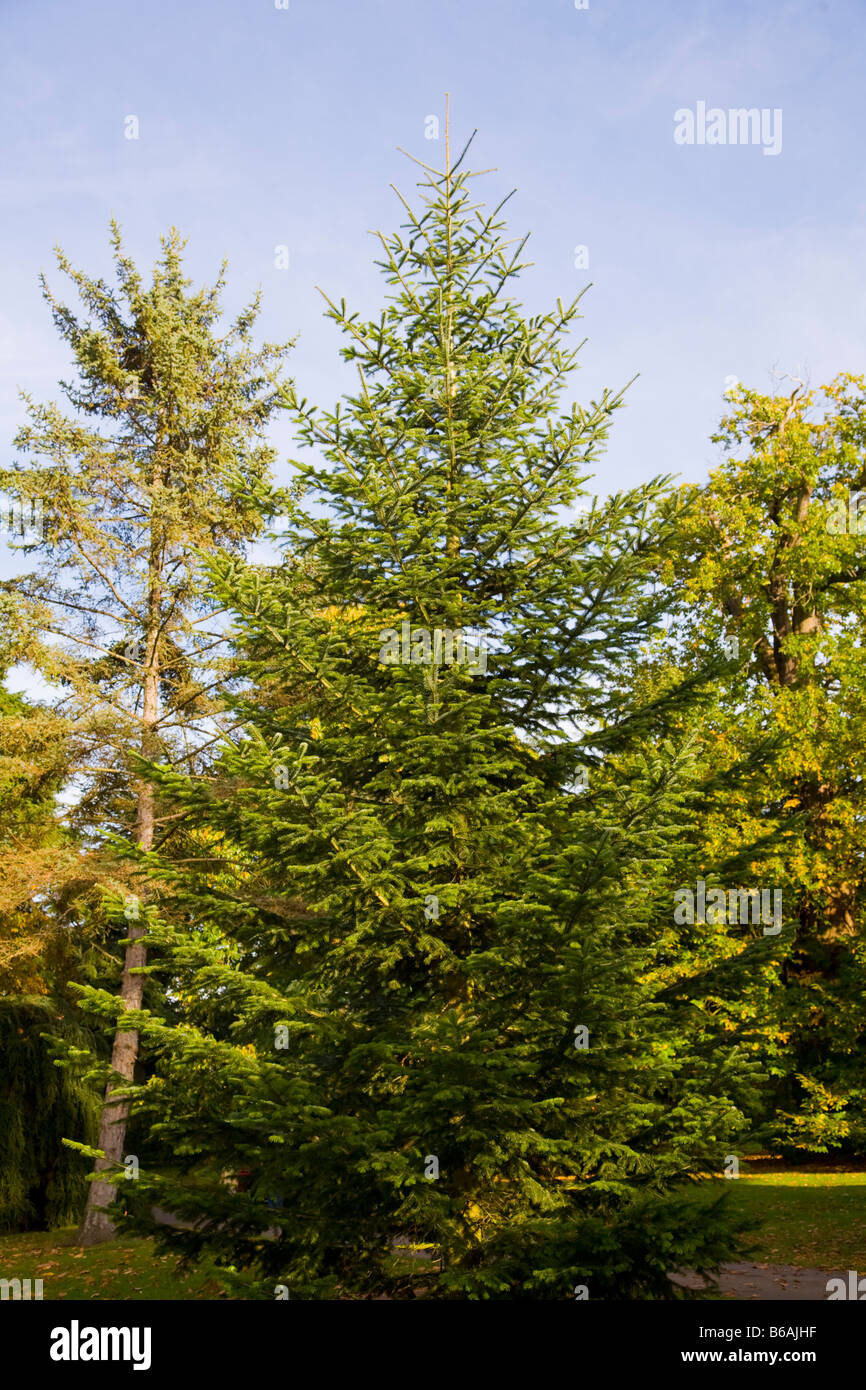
(767, 1283)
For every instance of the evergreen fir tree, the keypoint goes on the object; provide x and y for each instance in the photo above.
(163, 460)
(410, 955)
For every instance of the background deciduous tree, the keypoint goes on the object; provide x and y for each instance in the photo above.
(770, 553)
(43, 948)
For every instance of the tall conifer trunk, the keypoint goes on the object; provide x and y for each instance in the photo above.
(97, 1226)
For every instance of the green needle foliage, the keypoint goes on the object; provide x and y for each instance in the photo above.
(408, 958)
(162, 460)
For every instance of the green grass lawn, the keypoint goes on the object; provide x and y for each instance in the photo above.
(120, 1269)
(814, 1219)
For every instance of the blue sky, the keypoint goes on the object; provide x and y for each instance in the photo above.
(261, 126)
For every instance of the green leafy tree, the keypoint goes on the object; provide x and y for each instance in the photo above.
(41, 1182)
(770, 558)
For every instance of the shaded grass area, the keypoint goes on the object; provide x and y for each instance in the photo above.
(125, 1269)
(813, 1219)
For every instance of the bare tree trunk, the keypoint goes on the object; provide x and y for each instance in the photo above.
(97, 1225)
